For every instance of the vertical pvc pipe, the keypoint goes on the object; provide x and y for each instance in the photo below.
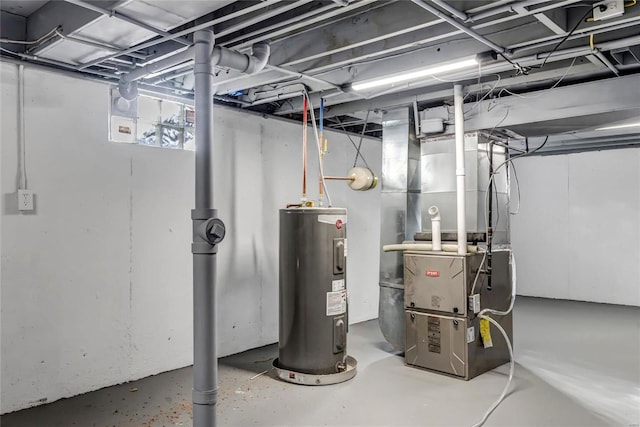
(460, 171)
(205, 366)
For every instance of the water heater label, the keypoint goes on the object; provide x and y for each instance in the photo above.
(337, 285)
(336, 303)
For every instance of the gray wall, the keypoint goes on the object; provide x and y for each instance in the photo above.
(576, 236)
(96, 285)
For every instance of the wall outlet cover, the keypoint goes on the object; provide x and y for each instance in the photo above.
(25, 200)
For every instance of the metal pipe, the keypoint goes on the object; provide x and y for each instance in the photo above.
(281, 24)
(303, 76)
(121, 16)
(507, 8)
(460, 26)
(99, 46)
(205, 366)
(183, 32)
(307, 23)
(606, 62)
(275, 12)
(157, 66)
(340, 178)
(458, 103)
(452, 10)
(578, 34)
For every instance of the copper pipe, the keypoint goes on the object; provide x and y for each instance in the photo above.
(304, 148)
(320, 186)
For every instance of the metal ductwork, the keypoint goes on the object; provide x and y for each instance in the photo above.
(400, 215)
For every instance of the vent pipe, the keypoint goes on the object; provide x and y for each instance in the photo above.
(460, 171)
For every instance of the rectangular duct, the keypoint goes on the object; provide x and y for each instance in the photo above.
(400, 192)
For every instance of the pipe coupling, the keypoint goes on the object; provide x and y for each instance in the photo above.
(208, 231)
(435, 213)
(209, 397)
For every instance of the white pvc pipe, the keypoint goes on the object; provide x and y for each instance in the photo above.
(435, 228)
(460, 171)
(447, 247)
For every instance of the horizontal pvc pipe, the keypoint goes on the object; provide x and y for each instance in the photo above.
(447, 247)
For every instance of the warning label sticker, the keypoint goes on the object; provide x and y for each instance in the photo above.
(337, 285)
(471, 334)
(336, 302)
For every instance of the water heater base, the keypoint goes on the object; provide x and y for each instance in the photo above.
(311, 379)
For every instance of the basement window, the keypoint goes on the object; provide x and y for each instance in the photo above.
(152, 122)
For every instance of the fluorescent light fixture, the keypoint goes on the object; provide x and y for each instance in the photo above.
(628, 125)
(454, 66)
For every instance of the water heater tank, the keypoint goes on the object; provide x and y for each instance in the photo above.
(313, 297)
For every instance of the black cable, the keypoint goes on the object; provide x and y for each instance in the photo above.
(364, 128)
(575, 27)
(352, 143)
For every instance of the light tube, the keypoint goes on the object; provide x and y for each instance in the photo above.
(628, 125)
(415, 74)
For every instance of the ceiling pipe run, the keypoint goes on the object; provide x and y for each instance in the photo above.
(220, 56)
(511, 7)
(461, 27)
(452, 10)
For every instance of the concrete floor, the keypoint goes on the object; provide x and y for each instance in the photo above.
(578, 365)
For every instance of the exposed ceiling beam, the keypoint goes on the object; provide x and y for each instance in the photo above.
(580, 105)
(422, 95)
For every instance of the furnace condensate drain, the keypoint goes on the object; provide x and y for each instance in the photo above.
(311, 379)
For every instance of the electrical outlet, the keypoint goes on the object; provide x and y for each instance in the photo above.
(608, 9)
(25, 200)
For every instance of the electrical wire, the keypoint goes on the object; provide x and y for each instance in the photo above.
(509, 160)
(540, 94)
(512, 362)
(358, 153)
(575, 27)
(315, 133)
(475, 280)
(515, 175)
(364, 128)
(32, 42)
